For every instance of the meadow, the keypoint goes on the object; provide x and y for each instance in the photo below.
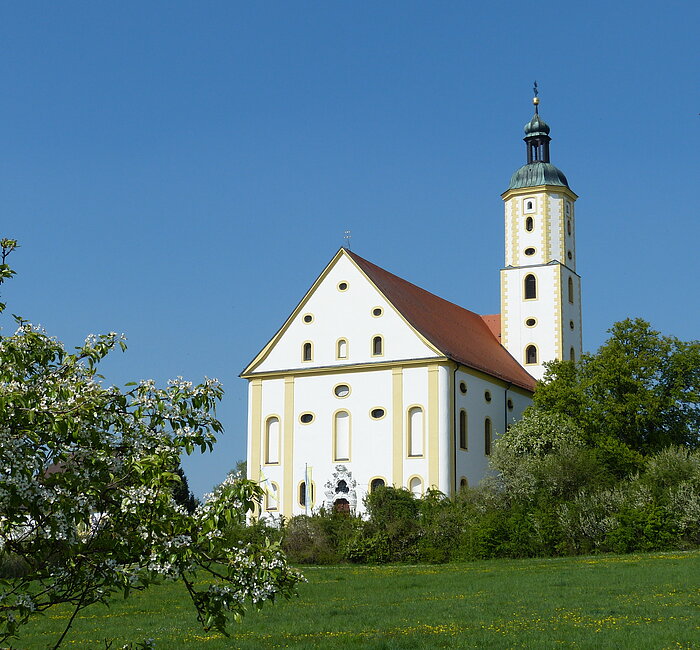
(608, 601)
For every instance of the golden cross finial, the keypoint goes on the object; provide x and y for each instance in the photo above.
(536, 99)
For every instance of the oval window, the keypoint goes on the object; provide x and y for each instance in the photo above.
(529, 251)
(306, 418)
(308, 318)
(342, 286)
(530, 322)
(462, 387)
(571, 324)
(377, 311)
(487, 396)
(377, 413)
(341, 390)
(529, 224)
(510, 404)
(569, 255)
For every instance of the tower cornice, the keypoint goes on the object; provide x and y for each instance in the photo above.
(521, 191)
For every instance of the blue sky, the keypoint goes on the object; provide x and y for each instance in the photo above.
(182, 171)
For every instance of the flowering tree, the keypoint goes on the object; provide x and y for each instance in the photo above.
(87, 474)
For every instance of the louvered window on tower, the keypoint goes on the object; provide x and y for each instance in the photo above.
(530, 287)
(531, 354)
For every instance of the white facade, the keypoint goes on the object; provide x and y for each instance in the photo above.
(373, 381)
(540, 289)
(389, 414)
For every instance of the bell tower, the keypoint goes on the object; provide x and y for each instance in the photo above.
(540, 289)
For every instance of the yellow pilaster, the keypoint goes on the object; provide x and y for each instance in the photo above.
(288, 450)
(397, 425)
(433, 426)
(256, 429)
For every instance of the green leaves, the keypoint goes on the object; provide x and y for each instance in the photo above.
(87, 481)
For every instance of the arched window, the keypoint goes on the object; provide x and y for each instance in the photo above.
(572, 354)
(272, 497)
(377, 346)
(415, 431)
(376, 483)
(341, 436)
(463, 429)
(529, 205)
(530, 287)
(529, 224)
(341, 349)
(415, 485)
(272, 441)
(568, 226)
(530, 354)
(487, 436)
(463, 483)
(571, 289)
(305, 494)
(307, 352)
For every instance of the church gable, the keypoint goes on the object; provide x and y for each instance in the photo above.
(343, 319)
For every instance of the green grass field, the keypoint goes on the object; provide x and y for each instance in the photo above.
(632, 601)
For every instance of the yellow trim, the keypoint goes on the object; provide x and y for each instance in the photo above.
(558, 314)
(494, 380)
(268, 507)
(354, 367)
(266, 439)
(547, 216)
(504, 308)
(342, 383)
(306, 424)
(263, 354)
(303, 350)
(371, 348)
(288, 453)
(337, 349)
(256, 427)
(433, 426)
(374, 478)
(422, 484)
(537, 190)
(374, 408)
(313, 495)
(335, 458)
(409, 431)
(397, 424)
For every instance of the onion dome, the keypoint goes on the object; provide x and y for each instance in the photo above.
(537, 173)
(536, 126)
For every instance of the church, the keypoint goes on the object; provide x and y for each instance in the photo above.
(374, 381)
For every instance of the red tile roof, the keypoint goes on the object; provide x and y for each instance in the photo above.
(460, 334)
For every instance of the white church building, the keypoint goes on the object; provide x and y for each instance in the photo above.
(374, 381)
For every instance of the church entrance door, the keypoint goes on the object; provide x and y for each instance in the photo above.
(342, 506)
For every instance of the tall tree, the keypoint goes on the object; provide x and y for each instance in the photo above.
(86, 488)
(640, 390)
